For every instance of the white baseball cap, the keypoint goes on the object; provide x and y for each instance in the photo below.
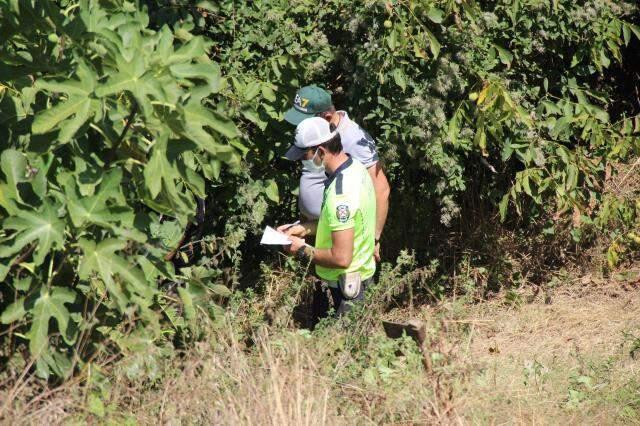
(310, 132)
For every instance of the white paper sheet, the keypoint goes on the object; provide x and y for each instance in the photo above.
(273, 237)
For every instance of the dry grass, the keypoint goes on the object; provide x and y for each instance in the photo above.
(529, 358)
(221, 385)
(278, 386)
(283, 380)
(499, 363)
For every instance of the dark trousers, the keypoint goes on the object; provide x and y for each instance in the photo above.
(341, 306)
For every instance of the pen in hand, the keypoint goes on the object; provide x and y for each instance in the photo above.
(297, 222)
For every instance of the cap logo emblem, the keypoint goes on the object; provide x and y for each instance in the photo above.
(300, 103)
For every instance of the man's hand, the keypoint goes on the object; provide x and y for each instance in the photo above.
(376, 252)
(296, 243)
(292, 230)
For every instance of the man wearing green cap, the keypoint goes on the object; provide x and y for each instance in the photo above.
(313, 101)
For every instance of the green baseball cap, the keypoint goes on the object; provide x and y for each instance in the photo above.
(309, 101)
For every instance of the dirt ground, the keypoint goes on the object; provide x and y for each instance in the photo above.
(567, 355)
(564, 359)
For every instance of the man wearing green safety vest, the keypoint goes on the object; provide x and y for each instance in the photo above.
(314, 101)
(345, 230)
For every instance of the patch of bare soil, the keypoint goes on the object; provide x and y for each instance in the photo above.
(593, 322)
(563, 359)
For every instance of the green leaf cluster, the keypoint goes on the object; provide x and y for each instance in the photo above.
(124, 124)
(108, 125)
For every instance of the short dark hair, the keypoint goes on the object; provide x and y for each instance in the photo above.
(333, 145)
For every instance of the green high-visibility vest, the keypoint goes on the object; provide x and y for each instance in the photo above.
(349, 202)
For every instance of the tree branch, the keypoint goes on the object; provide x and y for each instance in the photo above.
(24, 255)
(112, 153)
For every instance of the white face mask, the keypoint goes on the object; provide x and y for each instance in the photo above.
(311, 165)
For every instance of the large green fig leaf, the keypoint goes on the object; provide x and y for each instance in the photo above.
(41, 227)
(78, 104)
(50, 304)
(102, 259)
(94, 209)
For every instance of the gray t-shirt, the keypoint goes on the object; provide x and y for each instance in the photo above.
(357, 143)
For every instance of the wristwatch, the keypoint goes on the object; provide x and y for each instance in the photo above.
(302, 254)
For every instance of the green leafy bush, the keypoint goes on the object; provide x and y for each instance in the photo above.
(137, 137)
(110, 133)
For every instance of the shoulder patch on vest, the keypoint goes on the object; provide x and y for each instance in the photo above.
(343, 213)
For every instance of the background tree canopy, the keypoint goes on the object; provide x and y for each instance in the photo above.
(142, 145)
